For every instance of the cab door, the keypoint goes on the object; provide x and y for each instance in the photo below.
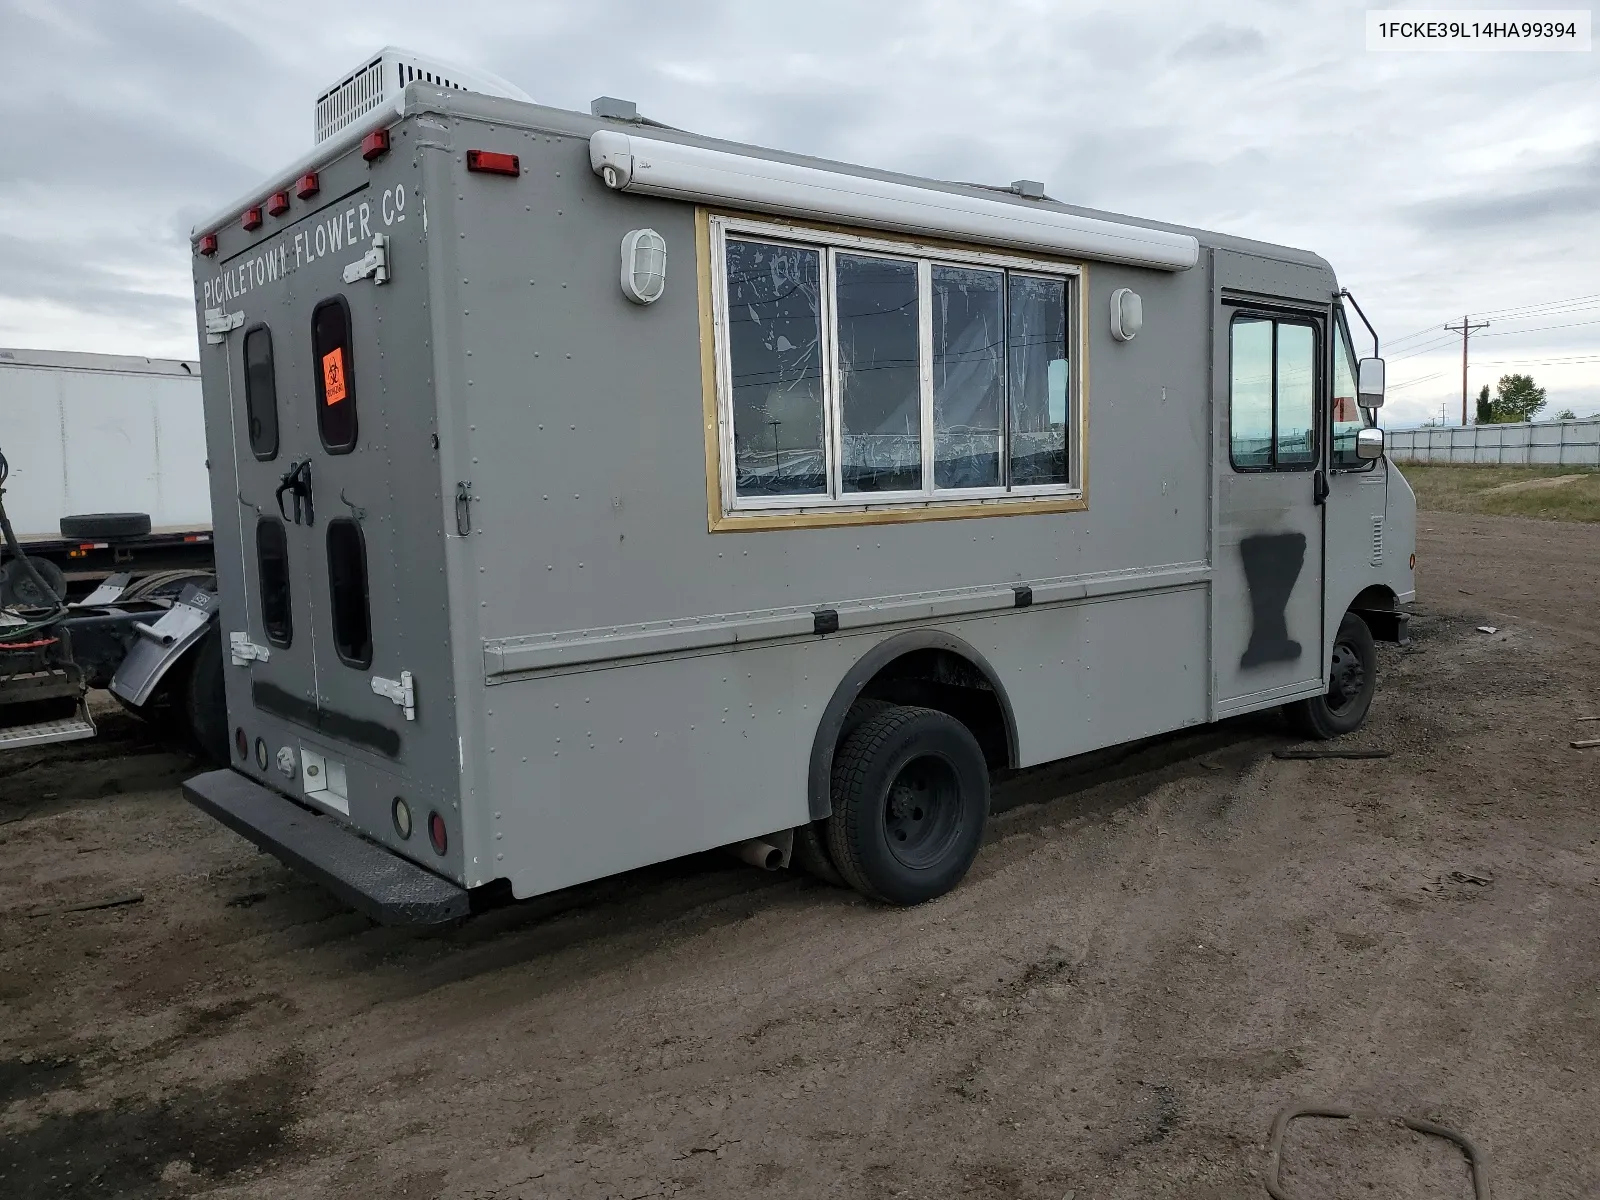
(1267, 625)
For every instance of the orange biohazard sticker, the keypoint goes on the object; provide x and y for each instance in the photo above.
(333, 376)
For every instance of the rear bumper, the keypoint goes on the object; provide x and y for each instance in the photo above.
(364, 875)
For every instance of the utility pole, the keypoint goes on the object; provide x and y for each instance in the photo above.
(1466, 329)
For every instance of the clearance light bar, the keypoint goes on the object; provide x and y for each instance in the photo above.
(651, 167)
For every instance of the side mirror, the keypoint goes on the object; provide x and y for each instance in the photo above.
(1369, 384)
(1369, 442)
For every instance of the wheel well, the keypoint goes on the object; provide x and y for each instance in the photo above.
(930, 670)
(1377, 597)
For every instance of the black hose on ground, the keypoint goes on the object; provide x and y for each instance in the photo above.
(26, 563)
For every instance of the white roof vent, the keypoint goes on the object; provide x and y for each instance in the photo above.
(384, 76)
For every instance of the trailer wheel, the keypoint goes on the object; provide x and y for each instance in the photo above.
(17, 586)
(910, 799)
(206, 700)
(1352, 678)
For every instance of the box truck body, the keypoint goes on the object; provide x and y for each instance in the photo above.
(590, 493)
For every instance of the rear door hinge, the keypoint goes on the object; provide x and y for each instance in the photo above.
(402, 691)
(219, 324)
(374, 263)
(243, 651)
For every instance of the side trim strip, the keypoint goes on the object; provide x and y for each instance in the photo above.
(507, 657)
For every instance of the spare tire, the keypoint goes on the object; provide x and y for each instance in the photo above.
(104, 526)
(18, 587)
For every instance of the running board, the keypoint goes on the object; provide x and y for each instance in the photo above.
(43, 733)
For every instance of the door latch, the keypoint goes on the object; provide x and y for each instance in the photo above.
(374, 263)
(243, 651)
(402, 691)
(219, 324)
(1319, 487)
(297, 482)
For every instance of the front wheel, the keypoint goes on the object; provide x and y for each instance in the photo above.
(1352, 679)
(910, 799)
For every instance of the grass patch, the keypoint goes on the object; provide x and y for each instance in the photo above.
(1464, 489)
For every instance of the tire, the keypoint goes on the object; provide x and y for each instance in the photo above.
(205, 699)
(18, 588)
(910, 800)
(1353, 677)
(105, 525)
(811, 853)
(168, 585)
(811, 841)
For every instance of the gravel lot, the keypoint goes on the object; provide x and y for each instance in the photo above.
(1155, 952)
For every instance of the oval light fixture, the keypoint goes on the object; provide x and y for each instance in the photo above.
(1127, 314)
(644, 266)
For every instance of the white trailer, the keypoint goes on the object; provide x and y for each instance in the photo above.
(108, 464)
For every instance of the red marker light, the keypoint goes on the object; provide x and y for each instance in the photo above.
(375, 144)
(494, 163)
(278, 204)
(308, 186)
(207, 245)
(252, 218)
(436, 833)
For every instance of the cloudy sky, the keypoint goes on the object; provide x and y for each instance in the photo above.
(1437, 184)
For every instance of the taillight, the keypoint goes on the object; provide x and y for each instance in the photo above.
(493, 162)
(208, 245)
(375, 144)
(436, 833)
(252, 218)
(278, 204)
(308, 186)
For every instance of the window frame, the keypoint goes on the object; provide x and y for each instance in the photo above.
(285, 638)
(318, 385)
(1341, 336)
(1320, 407)
(728, 510)
(363, 661)
(261, 327)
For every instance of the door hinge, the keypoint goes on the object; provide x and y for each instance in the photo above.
(219, 324)
(244, 651)
(402, 691)
(374, 263)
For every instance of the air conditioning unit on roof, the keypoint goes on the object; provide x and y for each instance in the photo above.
(382, 77)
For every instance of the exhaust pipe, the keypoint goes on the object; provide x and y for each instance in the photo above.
(758, 853)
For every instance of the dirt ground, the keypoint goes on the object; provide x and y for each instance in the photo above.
(1155, 952)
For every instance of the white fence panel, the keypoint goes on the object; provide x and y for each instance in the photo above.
(1542, 443)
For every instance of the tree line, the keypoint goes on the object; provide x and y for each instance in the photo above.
(1515, 398)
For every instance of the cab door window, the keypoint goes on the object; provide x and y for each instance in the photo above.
(333, 370)
(1272, 394)
(1346, 414)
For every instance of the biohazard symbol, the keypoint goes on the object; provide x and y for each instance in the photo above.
(333, 388)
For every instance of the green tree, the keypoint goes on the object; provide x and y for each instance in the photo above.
(1517, 398)
(1566, 414)
(1485, 409)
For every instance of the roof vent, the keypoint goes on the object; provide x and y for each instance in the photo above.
(385, 75)
(1030, 189)
(613, 109)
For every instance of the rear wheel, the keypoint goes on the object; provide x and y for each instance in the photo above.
(811, 841)
(1352, 679)
(910, 799)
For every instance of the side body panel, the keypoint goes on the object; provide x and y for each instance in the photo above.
(610, 734)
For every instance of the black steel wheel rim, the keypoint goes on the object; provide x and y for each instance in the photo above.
(922, 812)
(1347, 679)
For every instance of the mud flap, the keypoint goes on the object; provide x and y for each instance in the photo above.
(161, 645)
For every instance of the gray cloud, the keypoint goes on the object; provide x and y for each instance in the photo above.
(1556, 194)
(1221, 41)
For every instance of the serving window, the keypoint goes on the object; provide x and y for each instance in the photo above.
(859, 378)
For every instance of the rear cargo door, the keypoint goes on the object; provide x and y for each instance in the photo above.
(314, 458)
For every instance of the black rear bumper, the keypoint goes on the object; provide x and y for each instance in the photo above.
(363, 874)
